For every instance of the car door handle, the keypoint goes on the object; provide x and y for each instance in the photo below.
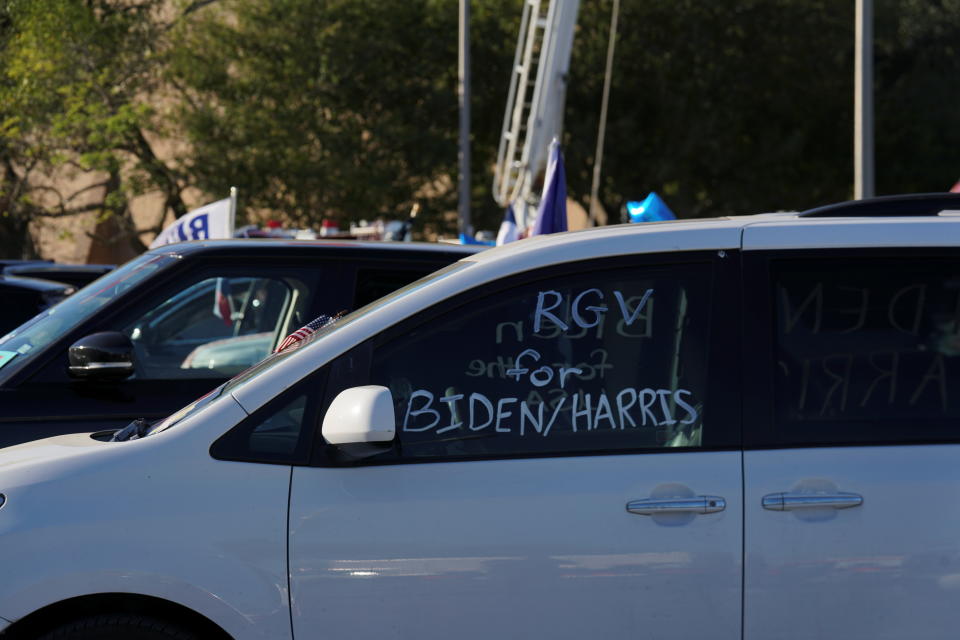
(697, 504)
(790, 501)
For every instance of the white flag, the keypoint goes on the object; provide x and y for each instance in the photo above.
(209, 221)
(508, 228)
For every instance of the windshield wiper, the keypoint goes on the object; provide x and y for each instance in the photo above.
(133, 431)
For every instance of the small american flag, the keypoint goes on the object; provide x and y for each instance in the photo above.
(305, 331)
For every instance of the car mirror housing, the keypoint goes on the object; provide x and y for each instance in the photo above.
(107, 355)
(360, 415)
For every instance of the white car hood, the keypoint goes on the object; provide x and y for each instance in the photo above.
(41, 460)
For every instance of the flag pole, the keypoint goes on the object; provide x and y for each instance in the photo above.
(233, 210)
(863, 176)
(604, 102)
(463, 95)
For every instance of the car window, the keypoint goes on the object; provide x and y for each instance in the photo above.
(274, 359)
(18, 307)
(279, 432)
(866, 349)
(215, 327)
(42, 330)
(588, 362)
(376, 283)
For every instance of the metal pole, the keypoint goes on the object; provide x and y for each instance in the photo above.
(233, 210)
(598, 156)
(863, 176)
(463, 94)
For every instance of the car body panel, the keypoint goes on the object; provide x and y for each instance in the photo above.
(624, 239)
(520, 548)
(824, 233)
(62, 491)
(887, 569)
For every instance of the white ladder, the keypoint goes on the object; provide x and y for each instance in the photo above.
(534, 111)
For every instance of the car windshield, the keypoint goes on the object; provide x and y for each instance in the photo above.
(39, 332)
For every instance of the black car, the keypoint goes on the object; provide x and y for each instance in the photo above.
(172, 324)
(23, 298)
(78, 275)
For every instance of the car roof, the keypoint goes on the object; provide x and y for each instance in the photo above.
(33, 284)
(919, 220)
(10, 262)
(53, 267)
(274, 246)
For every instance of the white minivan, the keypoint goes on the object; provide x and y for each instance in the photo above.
(731, 428)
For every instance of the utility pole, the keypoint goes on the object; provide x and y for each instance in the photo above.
(463, 94)
(601, 133)
(863, 176)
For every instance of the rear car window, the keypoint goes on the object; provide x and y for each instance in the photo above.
(867, 350)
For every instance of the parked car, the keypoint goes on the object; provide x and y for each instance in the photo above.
(23, 298)
(174, 323)
(15, 262)
(77, 275)
(732, 428)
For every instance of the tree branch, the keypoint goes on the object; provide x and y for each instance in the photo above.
(65, 213)
(196, 5)
(161, 173)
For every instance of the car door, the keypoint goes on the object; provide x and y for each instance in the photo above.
(852, 473)
(566, 465)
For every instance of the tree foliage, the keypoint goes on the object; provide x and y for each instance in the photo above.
(347, 109)
(342, 108)
(80, 81)
(747, 106)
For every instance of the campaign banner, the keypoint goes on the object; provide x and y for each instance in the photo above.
(214, 220)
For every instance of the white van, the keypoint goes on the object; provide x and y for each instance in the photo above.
(736, 428)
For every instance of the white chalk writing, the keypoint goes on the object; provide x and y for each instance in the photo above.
(629, 408)
(586, 310)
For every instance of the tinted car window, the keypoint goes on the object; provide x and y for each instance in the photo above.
(280, 432)
(18, 307)
(215, 327)
(867, 350)
(597, 361)
(376, 283)
(44, 329)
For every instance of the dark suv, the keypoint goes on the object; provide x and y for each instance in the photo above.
(24, 298)
(174, 323)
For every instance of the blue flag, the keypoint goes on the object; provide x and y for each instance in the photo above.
(652, 209)
(552, 214)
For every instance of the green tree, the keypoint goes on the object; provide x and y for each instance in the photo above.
(722, 108)
(343, 108)
(918, 123)
(15, 212)
(347, 108)
(81, 81)
(747, 106)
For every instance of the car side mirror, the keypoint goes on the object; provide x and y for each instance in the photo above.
(103, 356)
(360, 421)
